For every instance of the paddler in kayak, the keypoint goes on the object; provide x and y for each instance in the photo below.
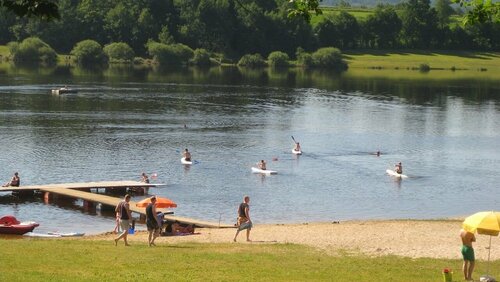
(262, 165)
(398, 168)
(297, 147)
(187, 155)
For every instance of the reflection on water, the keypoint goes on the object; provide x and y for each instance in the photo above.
(126, 120)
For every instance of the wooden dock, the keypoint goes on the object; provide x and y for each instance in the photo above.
(74, 190)
(82, 185)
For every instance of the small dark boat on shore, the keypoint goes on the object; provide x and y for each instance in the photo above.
(10, 225)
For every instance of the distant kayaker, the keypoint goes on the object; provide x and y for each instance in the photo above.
(15, 181)
(187, 155)
(297, 147)
(398, 168)
(262, 165)
(378, 153)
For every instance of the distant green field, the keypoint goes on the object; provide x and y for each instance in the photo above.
(358, 13)
(87, 260)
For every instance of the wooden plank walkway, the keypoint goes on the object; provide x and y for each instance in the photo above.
(113, 201)
(82, 185)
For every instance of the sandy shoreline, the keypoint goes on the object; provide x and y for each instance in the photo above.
(409, 238)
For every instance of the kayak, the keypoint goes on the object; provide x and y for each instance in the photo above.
(41, 235)
(263, 171)
(299, 152)
(183, 161)
(70, 234)
(395, 174)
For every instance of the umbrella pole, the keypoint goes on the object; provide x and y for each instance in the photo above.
(489, 251)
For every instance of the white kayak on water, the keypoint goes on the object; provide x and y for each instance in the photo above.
(395, 174)
(183, 161)
(41, 235)
(295, 152)
(263, 171)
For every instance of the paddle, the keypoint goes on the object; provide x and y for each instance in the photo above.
(294, 140)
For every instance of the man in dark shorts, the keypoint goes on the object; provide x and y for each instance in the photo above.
(244, 221)
(467, 253)
(152, 222)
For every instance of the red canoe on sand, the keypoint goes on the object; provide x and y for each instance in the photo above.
(10, 225)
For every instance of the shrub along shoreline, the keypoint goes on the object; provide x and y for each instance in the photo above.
(90, 53)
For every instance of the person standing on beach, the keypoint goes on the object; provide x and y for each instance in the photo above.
(244, 221)
(468, 253)
(152, 222)
(125, 216)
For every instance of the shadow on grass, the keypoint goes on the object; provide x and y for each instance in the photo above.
(385, 53)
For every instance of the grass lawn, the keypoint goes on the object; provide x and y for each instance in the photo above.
(86, 260)
(358, 13)
(487, 63)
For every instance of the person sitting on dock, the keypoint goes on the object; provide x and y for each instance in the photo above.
(262, 164)
(145, 178)
(398, 168)
(125, 216)
(15, 181)
(152, 222)
(187, 155)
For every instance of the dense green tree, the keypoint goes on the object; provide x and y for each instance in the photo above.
(119, 51)
(252, 61)
(381, 30)
(419, 24)
(329, 57)
(444, 11)
(170, 55)
(88, 52)
(32, 50)
(278, 59)
(46, 9)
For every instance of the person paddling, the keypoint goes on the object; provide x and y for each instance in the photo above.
(262, 165)
(398, 168)
(297, 147)
(187, 155)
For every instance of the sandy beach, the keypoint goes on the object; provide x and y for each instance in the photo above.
(409, 238)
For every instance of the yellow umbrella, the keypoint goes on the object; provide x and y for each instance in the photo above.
(487, 223)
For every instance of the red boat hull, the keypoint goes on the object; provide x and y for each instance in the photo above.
(10, 225)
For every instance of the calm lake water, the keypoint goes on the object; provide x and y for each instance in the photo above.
(124, 121)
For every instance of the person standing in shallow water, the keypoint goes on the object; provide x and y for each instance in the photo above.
(244, 221)
(468, 253)
(125, 216)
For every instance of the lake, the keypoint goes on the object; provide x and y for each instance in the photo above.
(125, 121)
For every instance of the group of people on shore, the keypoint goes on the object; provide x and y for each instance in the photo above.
(155, 222)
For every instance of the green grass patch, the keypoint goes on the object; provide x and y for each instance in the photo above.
(358, 13)
(399, 61)
(84, 260)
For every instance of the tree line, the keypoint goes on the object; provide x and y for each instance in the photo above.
(234, 28)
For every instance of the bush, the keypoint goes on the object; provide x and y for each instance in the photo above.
(119, 51)
(305, 60)
(170, 55)
(88, 52)
(32, 50)
(424, 68)
(329, 57)
(252, 60)
(201, 58)
(278, 59)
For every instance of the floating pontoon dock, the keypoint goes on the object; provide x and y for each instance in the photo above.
(73, 190)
